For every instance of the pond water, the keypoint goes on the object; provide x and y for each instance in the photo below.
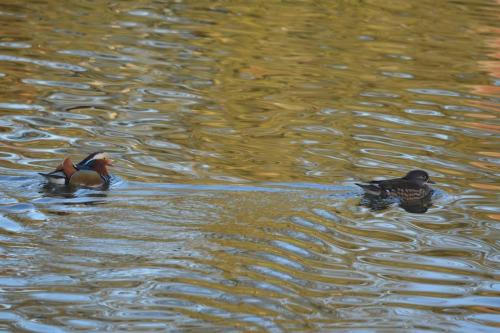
(238, 131)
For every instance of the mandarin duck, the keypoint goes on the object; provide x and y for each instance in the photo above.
(91, 171)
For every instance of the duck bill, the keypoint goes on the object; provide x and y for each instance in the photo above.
(431, 182)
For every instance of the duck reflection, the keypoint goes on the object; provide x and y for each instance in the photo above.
(417, 206)
(72, 195)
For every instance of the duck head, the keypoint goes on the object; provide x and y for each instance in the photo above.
(100, 166)
(418, 176)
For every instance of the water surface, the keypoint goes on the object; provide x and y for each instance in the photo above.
(238, 130)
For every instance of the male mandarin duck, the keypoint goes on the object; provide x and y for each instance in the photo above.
(409, 188)
(91, 171)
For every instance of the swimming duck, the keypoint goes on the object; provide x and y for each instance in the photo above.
(60, 177)
(409, 188)
(93, 173)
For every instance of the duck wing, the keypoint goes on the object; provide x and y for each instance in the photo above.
(380, 187)
(405, 190)
(389, 181)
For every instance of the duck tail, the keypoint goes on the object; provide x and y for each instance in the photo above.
(54, 177)
(370, 189)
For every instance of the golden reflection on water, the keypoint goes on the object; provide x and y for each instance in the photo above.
(238, 130)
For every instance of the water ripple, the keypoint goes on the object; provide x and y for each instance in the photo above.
(97, 55)
(238, 132)
(44, 63)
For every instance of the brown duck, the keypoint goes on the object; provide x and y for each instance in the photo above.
(94, 174)
(91, 171)
(409, 188)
